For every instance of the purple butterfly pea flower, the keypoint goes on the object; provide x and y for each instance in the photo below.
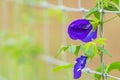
(79, 65)
(82, 29)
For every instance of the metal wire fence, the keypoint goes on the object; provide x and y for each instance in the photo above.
(44, 4)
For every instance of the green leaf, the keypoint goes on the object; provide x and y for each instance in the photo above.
(62, 49)
(94, 25)
(63, 67)
(74, 49)
(112, 66)
(92, 11)
(115, 1)
(95, 22)
(99, 69)
(112, 7)
(98, 77)
(101, 49)
(89, 49)
(77, 50)
(88, 45)
(97, 15)
(100, 41)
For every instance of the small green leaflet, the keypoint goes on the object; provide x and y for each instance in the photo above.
(112, 7)
(77, 50)
(63, 67)
(94, 26)
(89, 49)
(101, 49)
(96, 76)
(62, 49)
(94, 11)
(112, 66)
(100, 41)
(95, 22)
(88, 45)
(97, 15)
(74, 49)
(115, 1)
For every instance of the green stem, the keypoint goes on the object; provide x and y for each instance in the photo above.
(101, 28)
(101, 55)
(102, 36)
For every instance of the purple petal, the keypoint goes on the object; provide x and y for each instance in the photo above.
(82, 61)
(79, 65)
(77, 75)
(90, 36)
(77, 71)
(79, 29)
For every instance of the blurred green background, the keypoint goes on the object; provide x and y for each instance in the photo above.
(30, 36)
